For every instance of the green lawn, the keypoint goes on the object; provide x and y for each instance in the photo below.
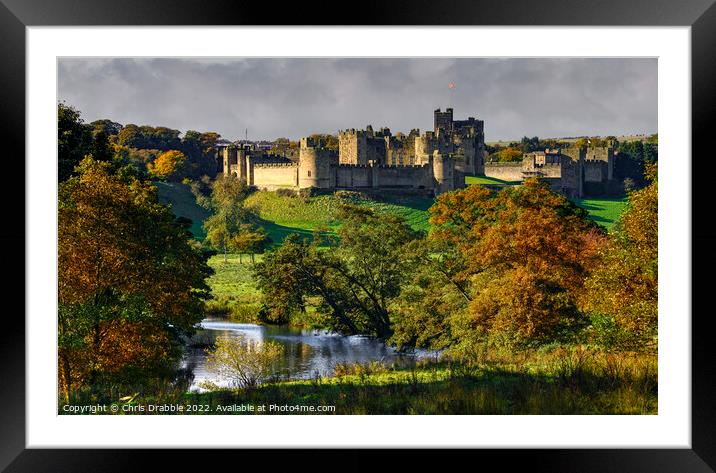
(183, 204)
(283, 215)
(488, 180)
(605, 210)
(232, 280)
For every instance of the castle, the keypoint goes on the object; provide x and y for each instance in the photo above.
(434, 162)
(573, 172)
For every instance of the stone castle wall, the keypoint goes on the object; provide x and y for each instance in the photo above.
(506, 172)
(348, 176)
(595, 171)
(275, 176)
(420, 177)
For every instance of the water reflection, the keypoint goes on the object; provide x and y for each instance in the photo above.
(307, 353)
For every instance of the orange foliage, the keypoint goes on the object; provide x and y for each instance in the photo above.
(125, 272)
(526, 250)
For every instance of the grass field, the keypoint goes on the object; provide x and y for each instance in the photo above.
(183, 204)
(605, 211)
(488, 180)
(283, 215)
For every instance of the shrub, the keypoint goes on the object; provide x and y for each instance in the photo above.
(283, 192)
(244, 313)
(307, 192)
(244, 362)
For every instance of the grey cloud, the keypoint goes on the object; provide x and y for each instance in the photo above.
(293, 97)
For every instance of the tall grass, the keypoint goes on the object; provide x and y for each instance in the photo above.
(563, 380)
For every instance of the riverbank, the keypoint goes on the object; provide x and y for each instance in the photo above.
(574, 381)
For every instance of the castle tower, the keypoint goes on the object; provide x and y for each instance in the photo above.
(443, 120)
(229, 157)
(242, 163)
(314, 165)
(443, 172)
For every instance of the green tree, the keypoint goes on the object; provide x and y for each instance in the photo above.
(353, 283)
(250, 240)
(74, 140)
(109, 127)
(100, 148)
(228, 212)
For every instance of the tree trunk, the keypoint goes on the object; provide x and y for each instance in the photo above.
(67, 373)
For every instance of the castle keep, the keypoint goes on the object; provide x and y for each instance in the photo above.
(434, 162)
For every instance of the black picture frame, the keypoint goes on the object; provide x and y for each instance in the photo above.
(16, 15)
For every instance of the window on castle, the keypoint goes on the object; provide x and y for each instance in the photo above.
(309, 173)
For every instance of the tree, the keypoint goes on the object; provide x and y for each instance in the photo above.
(247, 363)
(250, 240)
(624, 286)
(353, 284)
(169, 165)
(525, 253)
(73, 140)
(227, 198)
(109, 127)
(422, 315)
(281, 146)
(100, 147)
(129, 282)
(530, 144)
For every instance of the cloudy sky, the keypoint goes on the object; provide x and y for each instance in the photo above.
(295, 97)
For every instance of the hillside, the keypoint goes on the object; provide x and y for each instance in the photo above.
(183, 204)
(283, 215)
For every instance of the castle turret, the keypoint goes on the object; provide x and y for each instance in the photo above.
(443, 172)
(314, 165)
(229, 157)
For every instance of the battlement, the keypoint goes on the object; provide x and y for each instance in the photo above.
(401, 166)
(353, 166)
(275, 165)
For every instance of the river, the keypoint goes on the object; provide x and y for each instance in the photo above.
(307, 353)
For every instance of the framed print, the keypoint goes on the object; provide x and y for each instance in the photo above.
(419, 231)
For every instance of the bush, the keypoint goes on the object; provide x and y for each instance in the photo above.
(244, 313)
(308, 192)
(283, 192)
(246, 363)
(352, 196)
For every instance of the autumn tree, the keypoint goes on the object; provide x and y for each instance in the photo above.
(622, 292)
(169, 165)
(525, 253)
(129, 283)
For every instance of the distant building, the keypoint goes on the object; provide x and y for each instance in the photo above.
(574, 172)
